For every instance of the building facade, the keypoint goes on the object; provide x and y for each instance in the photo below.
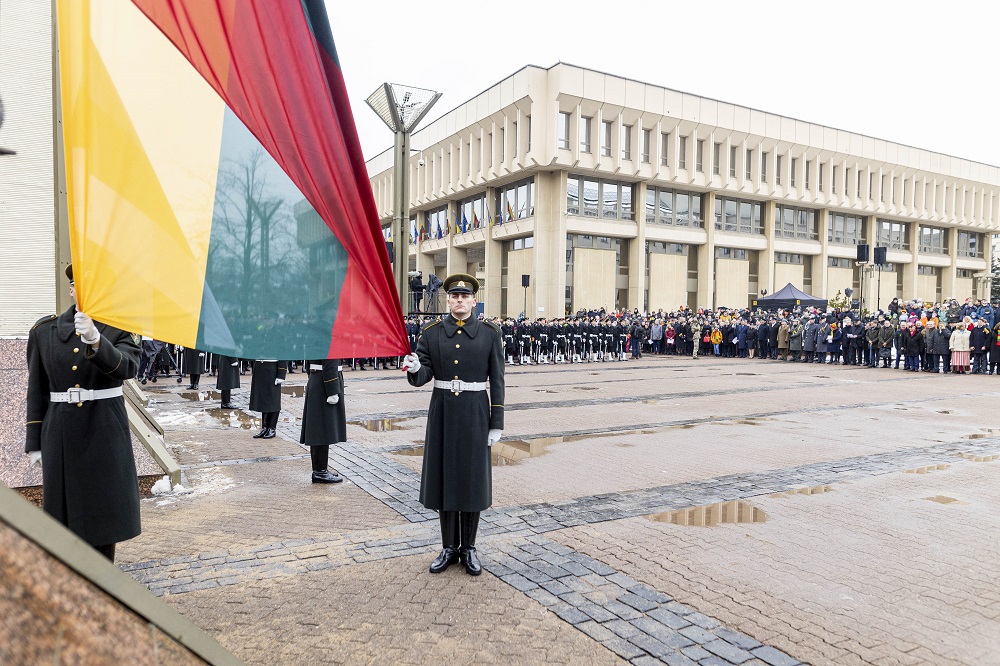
(613, 193)
(35, 246)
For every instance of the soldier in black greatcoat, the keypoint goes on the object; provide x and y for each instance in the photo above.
(228, 379)
(77, 426)
(194, 362)
(463, 357)
(265, 394)
(324, 419)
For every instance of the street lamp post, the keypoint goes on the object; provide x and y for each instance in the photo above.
(401, 108)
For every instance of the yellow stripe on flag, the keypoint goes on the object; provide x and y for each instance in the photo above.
(142, 147)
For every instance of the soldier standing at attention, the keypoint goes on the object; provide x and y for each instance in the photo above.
(194, 361)
(265, 394)
(228, 379)
(463, 356)
(324, 419)
(77, 427)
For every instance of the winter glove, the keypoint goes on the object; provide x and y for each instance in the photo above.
(278, 381)
(35, 457)
(201, 354)
(86, 329)
(493, 437)
(411, 363)
(235, 363)
(333, 400)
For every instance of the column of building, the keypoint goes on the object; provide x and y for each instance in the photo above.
(549, 279)
(822, 262)
(949, 272)
(706, 255)
(493, 263)
(637, 252)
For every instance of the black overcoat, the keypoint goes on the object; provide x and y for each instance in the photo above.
(89, 482)
(323, 423)
(265, 395)
(456, 474)
(228, 377)
(194, 361)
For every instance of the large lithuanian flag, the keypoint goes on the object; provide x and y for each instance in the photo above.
(217, 193)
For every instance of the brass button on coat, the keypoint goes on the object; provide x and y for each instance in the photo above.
(76, 350)
(74, 367)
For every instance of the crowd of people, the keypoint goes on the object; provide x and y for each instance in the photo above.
(940, 337)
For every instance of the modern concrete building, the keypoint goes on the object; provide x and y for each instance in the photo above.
(615, 193)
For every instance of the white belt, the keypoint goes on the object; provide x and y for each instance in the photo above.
(317, 366)
(85, 395)
(457, 386)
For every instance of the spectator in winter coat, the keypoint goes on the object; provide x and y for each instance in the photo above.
(958, 343)
(979, 339)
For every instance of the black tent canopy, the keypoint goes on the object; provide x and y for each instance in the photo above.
(787, 298)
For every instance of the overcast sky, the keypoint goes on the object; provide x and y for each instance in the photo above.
(922, 74)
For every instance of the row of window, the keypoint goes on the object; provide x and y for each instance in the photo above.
(612, 199)
(594, 197)
(673, 207)
(798, 223)
(738, 216)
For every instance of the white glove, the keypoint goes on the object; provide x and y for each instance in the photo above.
(411, 363)
(235, 363)
(35, 457)
(493, 437)
(201, 354)
(85, 327)
(278, 381)
(333, 400)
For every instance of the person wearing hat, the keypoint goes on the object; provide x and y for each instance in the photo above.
(77, 427)
(463, 357)
(324, 419)
(265, 394)
(227, 379)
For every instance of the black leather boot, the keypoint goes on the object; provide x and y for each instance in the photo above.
(270, 434)
(320, 461)
(260, 435)
(326, 476)
(449, 539)
(470, 558)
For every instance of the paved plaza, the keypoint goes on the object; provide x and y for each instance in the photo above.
(665, 510)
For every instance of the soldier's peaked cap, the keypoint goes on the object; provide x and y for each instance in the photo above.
(461, 283)
(69, 272)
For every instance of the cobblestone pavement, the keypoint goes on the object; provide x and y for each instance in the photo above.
(660, 511)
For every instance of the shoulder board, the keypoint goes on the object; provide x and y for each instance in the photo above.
(492, 325)
(431, 325)
(43, 320)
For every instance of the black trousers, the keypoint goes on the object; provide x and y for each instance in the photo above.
(269, 420)
(107, 551)
(195, 379)
(226, 395)
(320, 457)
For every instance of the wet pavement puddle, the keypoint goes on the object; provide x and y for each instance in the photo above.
(926, 470)
(200, 396)
(512, 452)
(712, 515)
(944, 499)
(814, 490)
(381, 425)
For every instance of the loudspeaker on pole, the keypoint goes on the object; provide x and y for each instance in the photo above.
(863, 254)
(525, 280)
(880, 256)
